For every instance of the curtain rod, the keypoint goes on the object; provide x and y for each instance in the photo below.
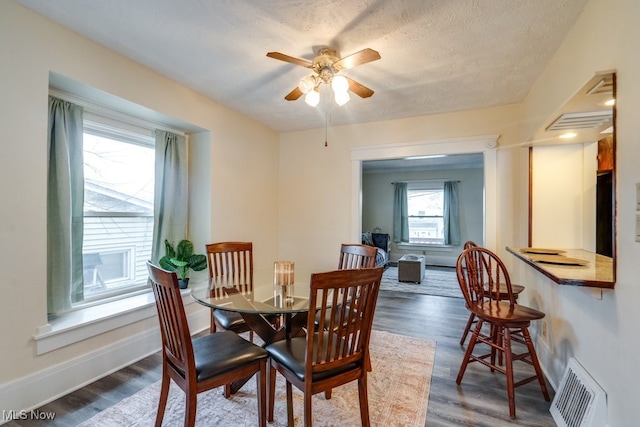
(410, 181)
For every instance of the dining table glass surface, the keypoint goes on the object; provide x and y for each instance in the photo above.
(263, 299)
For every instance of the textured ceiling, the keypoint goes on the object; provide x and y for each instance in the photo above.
(437, 55)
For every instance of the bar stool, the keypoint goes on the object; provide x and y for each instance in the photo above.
(480, 273)
(515, 289)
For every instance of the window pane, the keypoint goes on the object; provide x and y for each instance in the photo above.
(118, 215)
(426, 224)
(425, 202)
(118, 176)
(426, 230)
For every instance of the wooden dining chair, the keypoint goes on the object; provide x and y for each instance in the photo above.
(352, 256)
(200, 364)
(231, 264)
(357, 256)
(336, 353)
(515, 289)
(480, 274)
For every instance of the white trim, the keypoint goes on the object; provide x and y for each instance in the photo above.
(428, 248)
(77, 325)
(485, 144)
(39, 388)
(476, 144)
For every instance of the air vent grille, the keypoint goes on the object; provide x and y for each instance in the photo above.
(580, 401)
(604, 86)
(587, 120)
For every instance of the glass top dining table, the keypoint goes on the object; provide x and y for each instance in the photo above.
(290, 303)
(263, 299)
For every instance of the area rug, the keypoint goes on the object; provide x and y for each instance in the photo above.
(438, 281)
(398, 395)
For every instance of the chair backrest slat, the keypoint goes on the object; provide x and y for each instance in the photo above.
(346, 301)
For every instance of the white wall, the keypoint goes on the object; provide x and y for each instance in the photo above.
(224, 195)
(602, 334)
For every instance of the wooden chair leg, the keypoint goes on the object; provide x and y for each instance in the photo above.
(164, 394)
(509, 372)
(308, 416)
(261, 379)
(467, 328)
(467, 354)
(535, 363)
(272, 392)
(290, 405)
(364, 401)
(190, 409)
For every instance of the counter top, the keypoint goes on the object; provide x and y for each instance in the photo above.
(598, 271)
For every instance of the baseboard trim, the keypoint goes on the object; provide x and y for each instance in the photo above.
(39, 388)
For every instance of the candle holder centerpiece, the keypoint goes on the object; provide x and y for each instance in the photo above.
(283, 280)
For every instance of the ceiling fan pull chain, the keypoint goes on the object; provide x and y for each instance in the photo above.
(326, 120)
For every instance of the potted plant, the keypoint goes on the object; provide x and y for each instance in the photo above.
(181, 260)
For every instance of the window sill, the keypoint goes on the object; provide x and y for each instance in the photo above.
(85, 323)
(430, 248)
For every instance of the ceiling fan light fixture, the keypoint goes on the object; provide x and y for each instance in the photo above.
(312, 98)
(306, 84)
(342, 97)
(339, 84)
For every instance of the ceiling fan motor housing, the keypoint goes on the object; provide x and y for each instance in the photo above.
(324, 64)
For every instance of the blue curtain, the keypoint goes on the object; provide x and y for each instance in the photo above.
(400, 213)
(170, 199)
(65, 200)
(451, 215)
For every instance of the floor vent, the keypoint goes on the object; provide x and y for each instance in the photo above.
(579, 401)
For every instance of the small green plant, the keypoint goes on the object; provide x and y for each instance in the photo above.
(182, 259)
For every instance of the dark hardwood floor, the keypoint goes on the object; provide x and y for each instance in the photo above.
(481, 399)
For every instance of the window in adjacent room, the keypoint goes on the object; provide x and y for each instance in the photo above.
(118, 210)
(425, 202)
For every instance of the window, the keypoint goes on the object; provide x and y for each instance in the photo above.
(118, 210)
(426, 209)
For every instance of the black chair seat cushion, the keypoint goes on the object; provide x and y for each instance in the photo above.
(233, 321)
(229, 319)
(290, 353)
(223, 351)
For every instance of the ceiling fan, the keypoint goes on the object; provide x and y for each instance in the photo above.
(326, 65)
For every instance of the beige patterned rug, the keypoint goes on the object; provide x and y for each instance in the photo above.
(398, 395)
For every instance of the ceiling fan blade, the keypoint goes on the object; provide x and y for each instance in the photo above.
(358, 58)
(291, 59)
(293, 95)
(359, 89)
